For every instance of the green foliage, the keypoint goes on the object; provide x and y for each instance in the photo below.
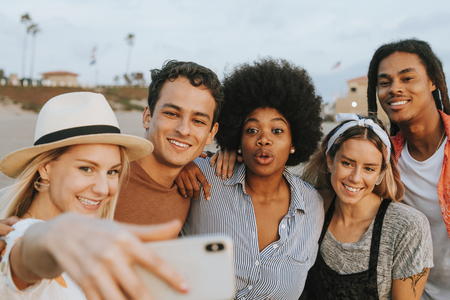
(35, 107)
(328, 118)
(128, 106)
(127, 79)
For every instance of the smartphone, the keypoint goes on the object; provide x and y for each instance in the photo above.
(206, 261)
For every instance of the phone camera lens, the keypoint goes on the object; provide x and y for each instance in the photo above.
(215, 247)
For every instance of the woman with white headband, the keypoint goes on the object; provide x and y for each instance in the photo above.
(71, 175)
(371, 246)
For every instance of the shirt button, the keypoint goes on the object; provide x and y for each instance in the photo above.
(283, 226)
(250, 287)
(275, 246)
(257, 263)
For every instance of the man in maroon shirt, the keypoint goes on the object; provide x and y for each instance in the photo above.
(184, 101)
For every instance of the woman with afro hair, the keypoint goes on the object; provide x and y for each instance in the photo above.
(271, 115)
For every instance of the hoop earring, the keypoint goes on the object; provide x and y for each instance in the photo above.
(41, 187)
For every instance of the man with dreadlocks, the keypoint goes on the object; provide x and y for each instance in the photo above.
(410, 84)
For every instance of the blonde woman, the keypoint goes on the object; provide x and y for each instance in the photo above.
(73, 173)
(371, 246)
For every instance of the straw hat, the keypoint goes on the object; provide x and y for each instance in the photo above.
(70, 119)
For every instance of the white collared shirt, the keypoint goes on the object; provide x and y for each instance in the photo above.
(279, 271)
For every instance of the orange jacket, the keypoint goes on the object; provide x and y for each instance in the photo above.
(444, 181)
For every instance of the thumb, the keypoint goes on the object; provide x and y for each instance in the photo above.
(149, 233)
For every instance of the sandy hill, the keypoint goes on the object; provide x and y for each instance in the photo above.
(33, 98)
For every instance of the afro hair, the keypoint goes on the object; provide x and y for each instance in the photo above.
(274, 84)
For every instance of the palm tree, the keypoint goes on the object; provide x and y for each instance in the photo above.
(130, 41)
(33, 29)
(25, 19)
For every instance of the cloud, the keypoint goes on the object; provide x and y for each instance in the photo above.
(312, 34)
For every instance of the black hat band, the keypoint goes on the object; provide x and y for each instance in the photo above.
(76, 131)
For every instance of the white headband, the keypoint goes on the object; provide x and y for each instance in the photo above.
(356, 120)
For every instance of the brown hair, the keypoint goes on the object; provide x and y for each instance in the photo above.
(197, 75)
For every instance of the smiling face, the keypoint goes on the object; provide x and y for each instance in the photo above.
(181, 124)
(266, 142)
(354, 170)
(404, 88)
(83, 179)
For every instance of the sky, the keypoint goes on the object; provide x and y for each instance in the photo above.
(315, 35)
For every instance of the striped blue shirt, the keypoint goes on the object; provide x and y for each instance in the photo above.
(279, 271)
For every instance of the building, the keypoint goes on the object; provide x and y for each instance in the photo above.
(13, 79)
(60, 78)
(328, 112)
(356, 100)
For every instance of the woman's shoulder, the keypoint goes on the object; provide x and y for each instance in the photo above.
(23, 224)
(305, 191)
(406, 218)
(406, 236)
(294, 179)
(19, 229)
(405, 211)
(203, 162)
(325, 195)
(303, 186)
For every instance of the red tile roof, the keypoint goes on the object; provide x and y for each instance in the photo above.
(58, 73)
(359, 79)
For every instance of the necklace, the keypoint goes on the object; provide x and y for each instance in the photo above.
(440, 142)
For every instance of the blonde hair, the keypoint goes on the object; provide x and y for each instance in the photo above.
(16, 199)
(316, 173)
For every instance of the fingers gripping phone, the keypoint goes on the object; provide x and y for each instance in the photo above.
(205, 260)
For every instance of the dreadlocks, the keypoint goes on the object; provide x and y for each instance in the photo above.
(431, 63)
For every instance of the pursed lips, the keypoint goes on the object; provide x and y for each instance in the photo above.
(263, 156)
(263, 153)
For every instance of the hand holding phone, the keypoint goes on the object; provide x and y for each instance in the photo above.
(206, 261)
